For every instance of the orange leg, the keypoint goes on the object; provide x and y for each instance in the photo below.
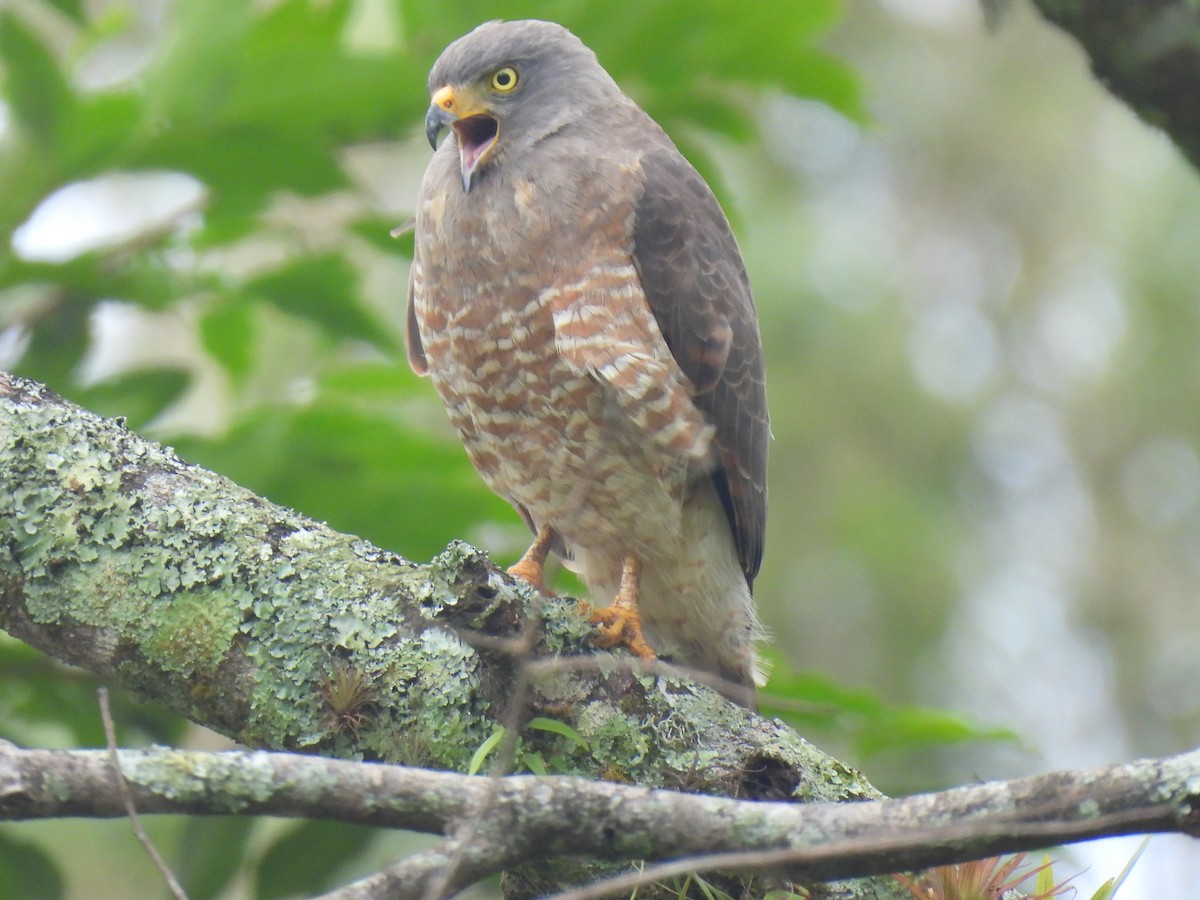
(531, 566)
(621, 624)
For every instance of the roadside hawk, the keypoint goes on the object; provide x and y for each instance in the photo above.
(579, 301)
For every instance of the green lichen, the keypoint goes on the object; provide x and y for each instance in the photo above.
(436, 593)
(245, 778)
(56, 786)
(616, 739)
(192, 634)
(429, 692)
(679, 742)
(565, 629)
(184, 570)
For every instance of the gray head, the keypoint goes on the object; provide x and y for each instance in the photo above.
(512, 82)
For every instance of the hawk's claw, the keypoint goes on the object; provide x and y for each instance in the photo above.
(620, 626)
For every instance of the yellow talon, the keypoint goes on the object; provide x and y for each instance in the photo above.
(621, 624)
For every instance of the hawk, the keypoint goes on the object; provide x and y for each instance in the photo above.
(579, 301)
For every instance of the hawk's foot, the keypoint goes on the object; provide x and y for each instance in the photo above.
(621, 624)
(532, 566)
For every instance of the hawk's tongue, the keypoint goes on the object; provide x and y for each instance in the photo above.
(476, 136)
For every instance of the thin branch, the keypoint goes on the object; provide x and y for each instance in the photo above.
(110, 736)
(602, 663)
(537, 818)
(411, 879)
(801, 858)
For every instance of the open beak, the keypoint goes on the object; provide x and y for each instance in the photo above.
(476, 130)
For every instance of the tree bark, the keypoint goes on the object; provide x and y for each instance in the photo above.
(532, 819)
(169, 580)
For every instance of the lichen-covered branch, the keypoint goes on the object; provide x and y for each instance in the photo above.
(171, 581)
(1147, 52)
(554, 817)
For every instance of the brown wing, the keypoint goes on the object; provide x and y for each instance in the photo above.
(416, 352)
(693, 277)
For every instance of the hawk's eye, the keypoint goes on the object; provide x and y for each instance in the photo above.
(505, 79)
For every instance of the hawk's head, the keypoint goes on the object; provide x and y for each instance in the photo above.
(523, 80)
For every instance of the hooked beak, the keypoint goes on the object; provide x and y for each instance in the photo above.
(476, 130)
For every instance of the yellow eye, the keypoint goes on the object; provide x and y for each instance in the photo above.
(505, 79)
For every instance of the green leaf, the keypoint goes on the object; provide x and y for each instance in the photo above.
(244, 164)
(225, 66)
(144, 278)
(1109, 889)
(541, 723)
(72, 9)
(372, 386)
(479, 757)
(214, 848)
(306, 860)
(1044, 883)
(227, 332)
(99, 132)
(908, 727)
(26, 871)
(325, 290)
(36, 691)
(534, 763)
(36, 88)
(715, 44)
(382, 233)
(807, 698)
(818, 76)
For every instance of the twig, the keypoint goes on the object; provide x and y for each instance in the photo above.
(410, 878)
(465, 834)
(110, 735)
(604, 662)
(796, 859)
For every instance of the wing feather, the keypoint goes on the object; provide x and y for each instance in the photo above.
(412, 336)
(694, 280)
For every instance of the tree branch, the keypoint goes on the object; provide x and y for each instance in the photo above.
(538, 818)
(117, 556)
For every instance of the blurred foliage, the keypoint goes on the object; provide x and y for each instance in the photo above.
(981, 349)
(821, 710)
(250, 292)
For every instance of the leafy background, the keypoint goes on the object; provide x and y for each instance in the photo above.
(976, 277)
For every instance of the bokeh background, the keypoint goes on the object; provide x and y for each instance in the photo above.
(977, 277)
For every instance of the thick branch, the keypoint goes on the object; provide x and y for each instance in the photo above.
(117, 556)
(1147, 52)
(532, 819)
